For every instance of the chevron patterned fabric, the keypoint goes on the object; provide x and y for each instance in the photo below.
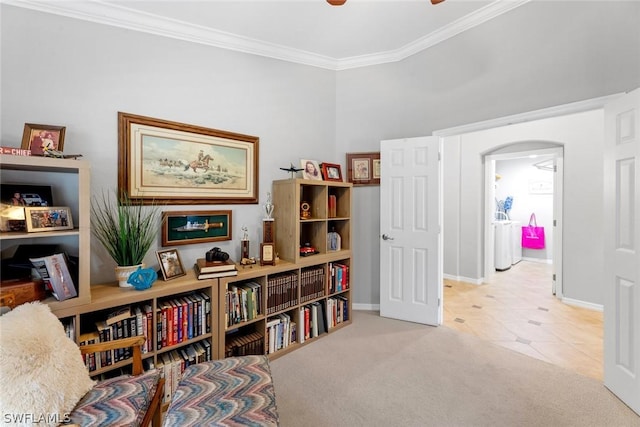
(236, 391)
(120, 401)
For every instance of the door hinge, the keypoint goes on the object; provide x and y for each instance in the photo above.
(554, 223)
(553, 277)
(555, 168)
(438, 302)
(439, 156)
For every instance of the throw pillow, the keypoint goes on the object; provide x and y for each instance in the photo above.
(41, 369)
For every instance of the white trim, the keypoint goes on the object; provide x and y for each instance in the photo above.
(366, 307)
(544, 113)
(540, 260)
(101, 12)
(583, 304)
(479, 281)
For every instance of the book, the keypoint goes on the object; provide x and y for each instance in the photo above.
(118, 315)
(54, 272)
(205, 266)
(201, 276)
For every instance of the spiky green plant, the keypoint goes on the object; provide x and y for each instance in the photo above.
(126, 229)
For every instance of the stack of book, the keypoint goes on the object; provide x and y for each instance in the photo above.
(213, 269)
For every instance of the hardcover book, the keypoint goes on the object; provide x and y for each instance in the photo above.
(213, 275)
(215, 266)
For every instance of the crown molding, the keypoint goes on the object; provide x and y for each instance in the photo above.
(118, 16)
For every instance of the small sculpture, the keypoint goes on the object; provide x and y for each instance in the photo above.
(142, 278)
(292, 170)
(268, 207)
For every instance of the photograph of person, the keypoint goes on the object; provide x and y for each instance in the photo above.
(310, 169)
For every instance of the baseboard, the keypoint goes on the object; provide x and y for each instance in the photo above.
(541, 260)
(463, 279)
(583, 304)
(366, 307)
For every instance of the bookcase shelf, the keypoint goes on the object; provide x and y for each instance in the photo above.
(282, 291)
(298, 281)
(70, 182)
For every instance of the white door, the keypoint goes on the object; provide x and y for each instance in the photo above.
(410, 243)
(622, 249)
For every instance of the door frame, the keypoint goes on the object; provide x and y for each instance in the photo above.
(545, 113)
(489, 207)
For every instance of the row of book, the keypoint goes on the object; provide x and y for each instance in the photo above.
(281, 331)
(338, 277)
(243, 302)
(122, 323)
(243, 344)
(183, 318)
(337, 311)
(173, 363)
(282, 292)
(312, 281)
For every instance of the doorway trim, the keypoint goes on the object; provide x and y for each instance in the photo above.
(557, 153)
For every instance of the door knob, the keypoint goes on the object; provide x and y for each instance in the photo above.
(385, 237)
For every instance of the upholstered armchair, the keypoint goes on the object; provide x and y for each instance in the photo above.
(45, 381)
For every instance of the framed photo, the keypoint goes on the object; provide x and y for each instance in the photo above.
(170, 264)
(363, 168)
(48, 218)
(174, 163)
(310, 169)
(331, 172)
(26, 195)
(187, 227)
(37, 138)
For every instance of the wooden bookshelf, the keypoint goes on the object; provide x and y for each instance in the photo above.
(293, 232)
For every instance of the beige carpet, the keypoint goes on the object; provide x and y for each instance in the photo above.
(382, 372)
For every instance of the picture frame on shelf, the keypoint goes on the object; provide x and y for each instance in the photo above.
(331, 172)
(267, 254)
(311, 169)
(15, 197)
(37, 138)
(363, 168)
(48, 218)
(187, 227)
(170, 264)
(160, 161)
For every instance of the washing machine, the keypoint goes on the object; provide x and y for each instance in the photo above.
(502, 245)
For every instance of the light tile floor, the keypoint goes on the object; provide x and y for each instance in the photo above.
(516, 309)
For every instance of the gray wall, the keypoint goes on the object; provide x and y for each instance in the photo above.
(80, 74)
(539, 55)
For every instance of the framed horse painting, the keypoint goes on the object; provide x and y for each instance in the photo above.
(166, 162)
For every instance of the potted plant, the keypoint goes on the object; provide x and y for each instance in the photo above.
(126, 229)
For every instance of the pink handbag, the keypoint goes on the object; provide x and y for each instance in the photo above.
(532, 235)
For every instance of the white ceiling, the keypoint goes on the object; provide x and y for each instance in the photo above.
(359, 33)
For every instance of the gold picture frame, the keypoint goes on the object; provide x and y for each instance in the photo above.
(165, 162)
(48, 218)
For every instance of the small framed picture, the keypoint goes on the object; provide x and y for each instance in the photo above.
(39, 138)
(331, 172)
(363, 168)
(48, 218)
(310, 169)
(187, 227)
(170, 264)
